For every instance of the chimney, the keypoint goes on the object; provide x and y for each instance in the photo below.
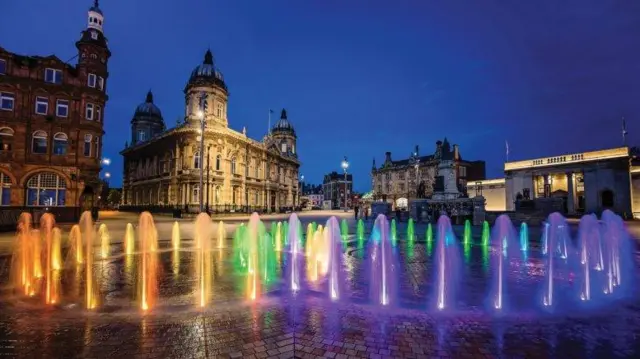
(387, 157)
(456, 154)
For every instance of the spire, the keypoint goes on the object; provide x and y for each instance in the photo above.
(283, 114)
(374, 164)
(149, 97)
(95, 17)
(208, 57)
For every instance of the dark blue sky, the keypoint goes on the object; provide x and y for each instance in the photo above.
(366, 77)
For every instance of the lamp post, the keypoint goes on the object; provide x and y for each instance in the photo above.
(345, 166)
(201, 114)
(301, 191)
(208, 169)
(416, 164)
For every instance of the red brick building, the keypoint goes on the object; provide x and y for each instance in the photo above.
(51, 123)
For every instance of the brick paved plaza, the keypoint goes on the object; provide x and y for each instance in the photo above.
(309, 325)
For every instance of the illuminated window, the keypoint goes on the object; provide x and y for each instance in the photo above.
(42, 105)
(6, 139)
(87, 145)
(196, 160)
(5, 188)
(46, 189)
(195, 194)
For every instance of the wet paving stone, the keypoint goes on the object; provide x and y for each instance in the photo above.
(306, 325)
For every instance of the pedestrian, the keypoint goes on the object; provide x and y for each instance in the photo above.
(366, 213)
(355, 212)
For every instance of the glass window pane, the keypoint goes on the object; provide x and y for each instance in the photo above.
(62, 196)
(59, 147)
(32, 197)
(40, 145)
(6, 196)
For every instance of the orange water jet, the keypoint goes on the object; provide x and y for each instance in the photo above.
(203, 262)
(148, 268)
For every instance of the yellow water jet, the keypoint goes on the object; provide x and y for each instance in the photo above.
(75, 239)
(105, 245)
(148, 269)
(129, 239)
(175, 236)
(203, 262)
(222, 234)
(88, 234)
(22, 260)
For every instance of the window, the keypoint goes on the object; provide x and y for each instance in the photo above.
(46, 189)
(6, 101)
(91, 80)
(257, 169)
(6, 139)
(195, 194)
(87, 145)
(5, 188)
(218, 158)
(196, 160)
(89, 111)
(257, 199)
(53, 76)
(142, 136)
(42, 105)
(94, 35)
(39, 142)
(3, 67)
(101, 82)
(96, 151)
(217, 195)
(98, 113)
(284, 148)
(219, 109)
(60, 141)
(62, 108)
(233, 166)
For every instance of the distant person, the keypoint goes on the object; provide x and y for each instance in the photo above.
(366, 213)
(355, 211)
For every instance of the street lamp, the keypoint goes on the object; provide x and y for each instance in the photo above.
(345, 166)
(416, 164)
(106, 161)
(203, 109)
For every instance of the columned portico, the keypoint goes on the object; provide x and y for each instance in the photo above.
(571, 204)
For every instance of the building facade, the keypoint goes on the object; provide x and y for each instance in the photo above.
(162, 166)
(493, 191)
(589, 182)
(336, 187)
(51, 123)
(398, 182)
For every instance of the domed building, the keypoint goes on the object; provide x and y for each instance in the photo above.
(224, 170)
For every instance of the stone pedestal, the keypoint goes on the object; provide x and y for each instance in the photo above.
(478, 210)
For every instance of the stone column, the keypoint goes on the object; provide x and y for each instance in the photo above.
(546, 183)
(571, 202)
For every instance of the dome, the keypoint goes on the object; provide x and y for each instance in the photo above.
(283, 125)
(148, 108)
(207, 73)
(96, 7)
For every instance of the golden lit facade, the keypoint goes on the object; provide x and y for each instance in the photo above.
(587, 182)
(162, 167)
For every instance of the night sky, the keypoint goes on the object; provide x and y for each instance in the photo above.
(362, 78)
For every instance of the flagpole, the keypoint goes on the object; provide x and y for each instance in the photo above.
(269, 124)
(624, 132)
(507, 147)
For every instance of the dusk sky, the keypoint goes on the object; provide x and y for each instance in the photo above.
(359, 78)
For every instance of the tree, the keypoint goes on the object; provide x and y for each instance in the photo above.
(114, 197)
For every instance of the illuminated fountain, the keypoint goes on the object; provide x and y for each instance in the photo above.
(51, 277)
(429, 238)
(294, 271)
(175, 236)
(203, 261)
(277, 235)
(87, 235)
(447, 263)
(466, 237)
(222, 234)
(344, 232)
(105, 245)
(617, 253)
(335, 286)
(524, 237)
(147, 290)
(394, 233)
(383, 266)
(555, 237)
(504, 242)
(129, 240)
(486, 233)
(360, 233)
(22, 275)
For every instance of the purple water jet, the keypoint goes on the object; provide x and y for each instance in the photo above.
(383, 266)
(294, 267)
(448, 265)
(335, 284)
(505, 249)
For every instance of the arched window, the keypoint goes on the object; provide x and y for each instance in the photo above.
(195, 193)
(5, 187)
(218, 160)
(60, 141)
(87, 145)
(196, 160)
(6, 139)
(46, 189)
(142, 136)
(233, 165)
(39, 142)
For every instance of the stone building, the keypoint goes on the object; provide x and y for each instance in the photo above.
(162, 166)
(335, 188)
(51, 124)
(587, 182)
(398, 182)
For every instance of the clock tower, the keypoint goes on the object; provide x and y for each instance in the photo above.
(93, 51)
